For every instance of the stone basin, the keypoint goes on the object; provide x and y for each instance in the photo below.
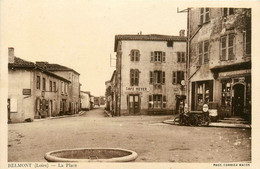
(91, 155)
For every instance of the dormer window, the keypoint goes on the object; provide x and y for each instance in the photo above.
(135, 55)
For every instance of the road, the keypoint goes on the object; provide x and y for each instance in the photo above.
(146, 135)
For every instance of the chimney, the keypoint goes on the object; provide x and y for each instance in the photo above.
(182, 32)
(10, 55)
(42, 64)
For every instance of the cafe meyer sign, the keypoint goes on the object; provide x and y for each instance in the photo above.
(137, 89)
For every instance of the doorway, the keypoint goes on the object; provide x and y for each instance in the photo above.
(238, 100)
(134, 103)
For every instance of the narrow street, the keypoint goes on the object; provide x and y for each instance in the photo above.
(152, 140)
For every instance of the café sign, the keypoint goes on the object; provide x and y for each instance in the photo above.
(26, 91)
(137, 89)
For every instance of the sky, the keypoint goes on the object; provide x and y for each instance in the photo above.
(80, 34)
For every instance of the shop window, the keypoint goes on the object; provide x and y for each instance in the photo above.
(157, 56)
(226, 93)
(181, 57)
(204, 93)
(38, 82)
(204, 15)
(227, 47)
(157, 101)
(43, 84)
(134, 77)
(203, 52)
(134, 55)
(177, 77)
(157, 77)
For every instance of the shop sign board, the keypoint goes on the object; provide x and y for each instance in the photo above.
(234, 73)
(26, 91)
(137, 89)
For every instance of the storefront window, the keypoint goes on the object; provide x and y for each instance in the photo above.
(204, 93)
(226, 93)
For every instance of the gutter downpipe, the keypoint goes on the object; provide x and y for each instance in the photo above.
(188, 59)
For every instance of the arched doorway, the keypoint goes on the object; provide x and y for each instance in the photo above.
(238, 99)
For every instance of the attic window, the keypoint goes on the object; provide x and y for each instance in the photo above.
(169, 43)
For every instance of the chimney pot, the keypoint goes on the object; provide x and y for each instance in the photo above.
(182, 32)
(10, 55)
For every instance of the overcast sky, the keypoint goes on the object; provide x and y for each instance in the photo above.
(80, 34)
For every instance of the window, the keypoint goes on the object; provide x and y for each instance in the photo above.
(50, 86)
(204, 15)
(157, 101)
(62, 87)
(134, 77)
(228, 11)
(181, 57)
(203, 52)
(135, 55)
(54, 86)
(204, 93)
(227, 47)
(38, 82)
(157, 77)
(157, 56)
(177, 77)
(247, 42)
(66, 88)
(226, 93)
(43, 84)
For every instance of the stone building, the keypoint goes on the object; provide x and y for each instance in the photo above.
(85, 100)
(219, 60)
(111, 94)
(34, 92)
(149, 70)
(74, 86)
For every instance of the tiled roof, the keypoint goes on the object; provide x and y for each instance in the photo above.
(18, 62)
(54, 67)
(149, 37)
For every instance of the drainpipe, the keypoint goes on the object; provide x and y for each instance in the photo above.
(188, 58)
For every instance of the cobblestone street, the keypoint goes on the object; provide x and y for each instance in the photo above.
(152, 140)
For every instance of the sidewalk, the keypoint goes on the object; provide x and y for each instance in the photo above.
(58, 117)
(217, 124)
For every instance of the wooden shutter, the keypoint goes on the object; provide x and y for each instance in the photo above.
(152, 57)
(131, 77)
(163, 56)
(163, 77)
(151, 77)
(150, 101)
(164, 101)
(174, 77)
(136, 77)
(132, 55)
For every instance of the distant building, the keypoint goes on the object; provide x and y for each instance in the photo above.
(149, 71)
(219, 60)
(111, 95)
(74, 86)
(34, 92)
(85, 100)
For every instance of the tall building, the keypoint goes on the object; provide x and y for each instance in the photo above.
(149, 71)
(219, 60)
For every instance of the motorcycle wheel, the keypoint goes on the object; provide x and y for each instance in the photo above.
(176, 119)
(193, 120)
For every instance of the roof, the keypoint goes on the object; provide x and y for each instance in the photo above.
(55, 67)
(149, 37)
(114, 73)
(18, 62)
(23, 64)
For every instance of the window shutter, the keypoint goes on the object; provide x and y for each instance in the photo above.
(131, 77)
(150, 101)
(163, 56)
(163, 77)
(151, 77)
(164, 101)
(137, 77)
(174, 78)
(152, 58)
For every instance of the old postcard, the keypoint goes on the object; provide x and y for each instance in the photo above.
(129, 84)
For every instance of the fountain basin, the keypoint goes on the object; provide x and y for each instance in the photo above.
(91, 155)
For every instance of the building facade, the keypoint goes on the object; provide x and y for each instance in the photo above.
(149, 71)
(219, 60)
(34, 92)
(74, 86)
(85, 100)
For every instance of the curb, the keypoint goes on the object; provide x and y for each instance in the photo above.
(216, 124)
(59, 117)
